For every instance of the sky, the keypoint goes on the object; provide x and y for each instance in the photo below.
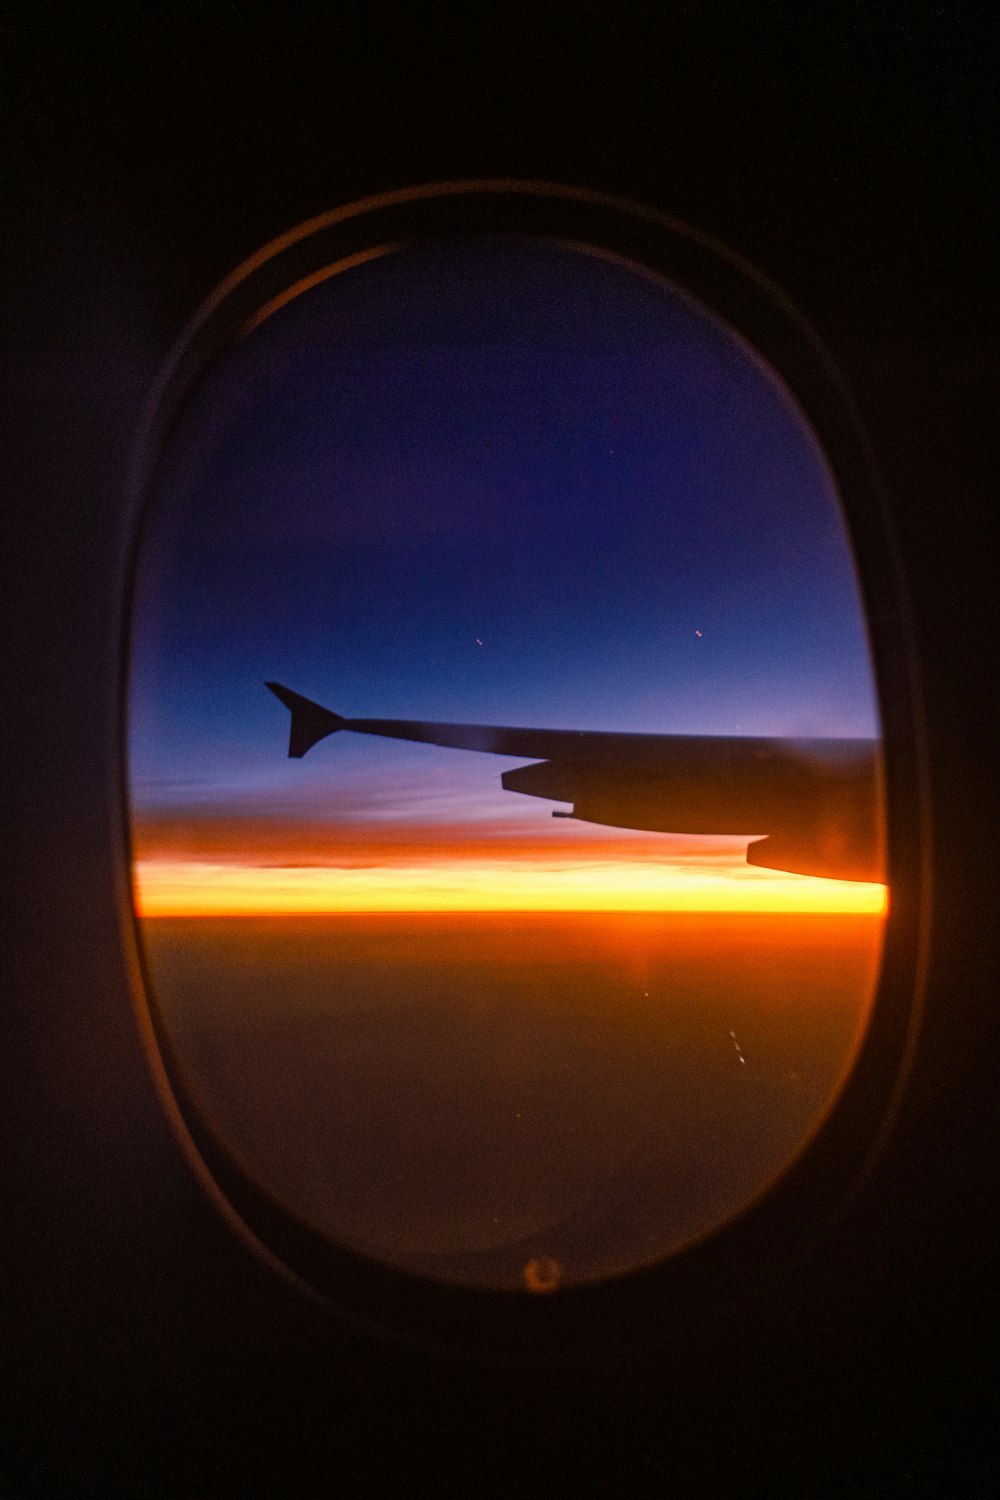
(500, 481)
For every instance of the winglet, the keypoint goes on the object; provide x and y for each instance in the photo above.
(310, 722)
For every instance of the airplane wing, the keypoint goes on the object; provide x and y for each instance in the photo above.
(815, 801)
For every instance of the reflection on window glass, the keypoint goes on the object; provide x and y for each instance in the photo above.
(548, 946)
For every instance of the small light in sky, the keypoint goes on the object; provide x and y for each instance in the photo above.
(698, 634)
(478, 641)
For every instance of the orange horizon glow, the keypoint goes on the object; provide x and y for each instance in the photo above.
(199, 887)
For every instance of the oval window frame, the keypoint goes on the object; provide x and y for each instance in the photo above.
(670, 1301)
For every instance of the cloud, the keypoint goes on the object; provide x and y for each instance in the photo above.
(290, 842)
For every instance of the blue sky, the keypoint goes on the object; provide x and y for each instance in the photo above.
(501, 482)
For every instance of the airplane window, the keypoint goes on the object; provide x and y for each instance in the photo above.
(503, 762)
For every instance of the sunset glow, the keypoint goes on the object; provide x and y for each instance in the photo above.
(192, 888)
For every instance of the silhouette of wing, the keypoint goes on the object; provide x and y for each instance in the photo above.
(813, 804)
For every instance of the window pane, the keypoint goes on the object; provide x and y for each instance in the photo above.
(510, 1006)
